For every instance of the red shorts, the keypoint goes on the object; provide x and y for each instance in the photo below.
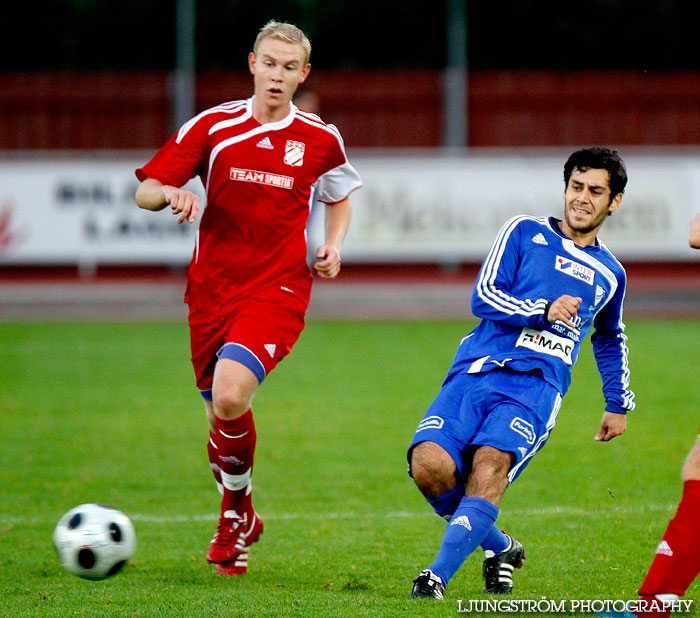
(258, 333)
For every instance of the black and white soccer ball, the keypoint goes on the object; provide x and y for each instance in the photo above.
(94, 541)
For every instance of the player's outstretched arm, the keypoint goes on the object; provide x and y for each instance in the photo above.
(611, 425)
(337, 222)
(154, 195)
(694, 235)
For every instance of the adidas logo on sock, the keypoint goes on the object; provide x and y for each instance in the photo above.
(265, 143)
(664, 548)
(539, 239)
(231, 459)
(462, 520)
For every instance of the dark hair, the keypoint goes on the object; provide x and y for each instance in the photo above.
(599, 158)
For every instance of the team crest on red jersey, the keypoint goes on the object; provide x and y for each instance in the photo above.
(294, 153)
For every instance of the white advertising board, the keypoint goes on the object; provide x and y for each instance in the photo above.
(82, 211)
(451, 209)
(412, 208)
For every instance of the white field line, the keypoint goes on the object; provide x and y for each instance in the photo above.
(542, 512)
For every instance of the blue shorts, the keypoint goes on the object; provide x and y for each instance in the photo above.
(509, 410)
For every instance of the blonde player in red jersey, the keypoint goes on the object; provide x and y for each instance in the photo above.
(248, 287)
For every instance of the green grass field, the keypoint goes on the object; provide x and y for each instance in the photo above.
(109, 413)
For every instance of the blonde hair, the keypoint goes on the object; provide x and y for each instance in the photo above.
(284, 32)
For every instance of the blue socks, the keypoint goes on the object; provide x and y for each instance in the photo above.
(446, 504)
(495, 540)
(471, 523)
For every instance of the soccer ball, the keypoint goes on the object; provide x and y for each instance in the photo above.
(94, 541)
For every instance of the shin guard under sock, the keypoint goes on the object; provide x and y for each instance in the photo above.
(213, 453)
(235, 441)
(467, 529)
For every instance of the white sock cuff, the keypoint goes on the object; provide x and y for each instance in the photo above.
(235, 482)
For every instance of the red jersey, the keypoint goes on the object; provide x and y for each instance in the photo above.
(258, 180)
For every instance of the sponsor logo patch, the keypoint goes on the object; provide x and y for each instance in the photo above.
(270, 348)
(599, 294)
(432, 422)
(539, 239)
(575, 270)
(294, 153)
(262, 178)
(525, 429)
(265, 143)
(546, 343)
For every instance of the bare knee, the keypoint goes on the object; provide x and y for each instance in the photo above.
(488, 478)
(233, 389)
(231, 402)
(433, 469)
(691, 467)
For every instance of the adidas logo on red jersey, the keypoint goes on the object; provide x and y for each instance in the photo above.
(265, 143)
(664, 548)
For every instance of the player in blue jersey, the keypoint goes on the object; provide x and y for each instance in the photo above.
(543, 286)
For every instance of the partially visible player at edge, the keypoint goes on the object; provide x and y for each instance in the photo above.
(677, 560)
(543, 285)
(249, 283)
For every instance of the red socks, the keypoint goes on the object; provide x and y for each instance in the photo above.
(677, 560)
(213, 453)
(235, 447)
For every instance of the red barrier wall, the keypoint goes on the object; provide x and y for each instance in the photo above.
(372, 108)
(547, 108)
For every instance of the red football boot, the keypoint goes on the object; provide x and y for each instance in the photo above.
(233, 538)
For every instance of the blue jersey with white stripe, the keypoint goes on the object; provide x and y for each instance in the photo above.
(530, 265)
